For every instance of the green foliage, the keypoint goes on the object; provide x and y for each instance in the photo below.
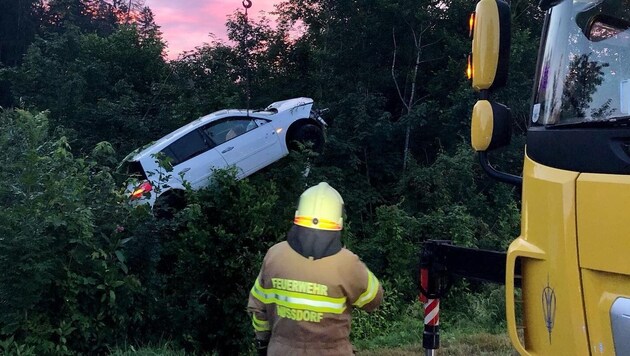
(391, 249)
(162, 350)
(66, 284)
(107, 270)
(456, 201)
(404, 328)
(475, 306)
(366, 326)
(103, 85)
(211, 253)
(354, 160)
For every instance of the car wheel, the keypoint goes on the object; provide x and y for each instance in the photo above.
(309, 135)
(169, 203)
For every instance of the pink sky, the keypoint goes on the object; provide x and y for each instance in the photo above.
(186, 24)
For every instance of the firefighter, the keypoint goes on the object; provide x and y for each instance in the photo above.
(302, 300)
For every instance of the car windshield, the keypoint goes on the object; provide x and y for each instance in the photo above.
(584, 74)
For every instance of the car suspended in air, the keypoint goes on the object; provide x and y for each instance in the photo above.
(246, 139)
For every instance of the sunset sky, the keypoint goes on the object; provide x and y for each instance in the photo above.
(186, 24)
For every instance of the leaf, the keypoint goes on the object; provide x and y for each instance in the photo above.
(117, 284)
(125, 240)
(120, 256)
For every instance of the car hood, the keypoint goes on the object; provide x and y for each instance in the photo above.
(289, 104)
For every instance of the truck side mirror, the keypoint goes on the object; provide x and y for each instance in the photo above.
(490, 32)
(491, 126)
(491, 129)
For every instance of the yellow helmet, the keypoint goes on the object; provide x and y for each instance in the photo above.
(320, 207)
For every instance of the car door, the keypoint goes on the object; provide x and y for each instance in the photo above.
(193, 157)
(246, 142)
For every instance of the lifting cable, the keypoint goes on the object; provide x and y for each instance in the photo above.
(247, 4)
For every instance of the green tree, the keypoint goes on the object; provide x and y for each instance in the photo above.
(66, 286)
(104, 87)
(90, 16)
(208, 265)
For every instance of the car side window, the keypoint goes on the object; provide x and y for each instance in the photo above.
(226, 130)
(186, 147)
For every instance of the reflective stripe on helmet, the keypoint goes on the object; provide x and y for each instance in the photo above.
(316, 223)
(260, 325)
(320, 207)
(297, 300)
(370, 292)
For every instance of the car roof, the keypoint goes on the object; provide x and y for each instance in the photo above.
(271, 110)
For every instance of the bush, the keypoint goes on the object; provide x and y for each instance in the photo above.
(65, 284)
(366, 326)
(474, 307)
(210, 256)
(391, 249)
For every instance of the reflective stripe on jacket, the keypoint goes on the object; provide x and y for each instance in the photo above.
(304, 305)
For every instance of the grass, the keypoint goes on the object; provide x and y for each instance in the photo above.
(471, 329)
(481, 344)
(164, 350)
(478, 344)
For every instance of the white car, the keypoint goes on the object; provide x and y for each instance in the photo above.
(249, 140)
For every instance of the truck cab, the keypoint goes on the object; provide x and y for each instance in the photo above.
(573, 252)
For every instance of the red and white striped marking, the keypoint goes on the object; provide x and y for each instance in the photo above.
(432, 312)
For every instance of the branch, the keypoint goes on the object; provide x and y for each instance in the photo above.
(431, 44)
(394, 72)
(418, 100)
(431, 60)
(415, 70)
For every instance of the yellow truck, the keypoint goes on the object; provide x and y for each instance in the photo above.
(572, 258)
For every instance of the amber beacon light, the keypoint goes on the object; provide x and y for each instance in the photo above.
(471, 29)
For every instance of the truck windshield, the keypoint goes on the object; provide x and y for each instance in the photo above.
(584, 74)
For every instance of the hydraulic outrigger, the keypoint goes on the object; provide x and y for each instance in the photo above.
(440, 260)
